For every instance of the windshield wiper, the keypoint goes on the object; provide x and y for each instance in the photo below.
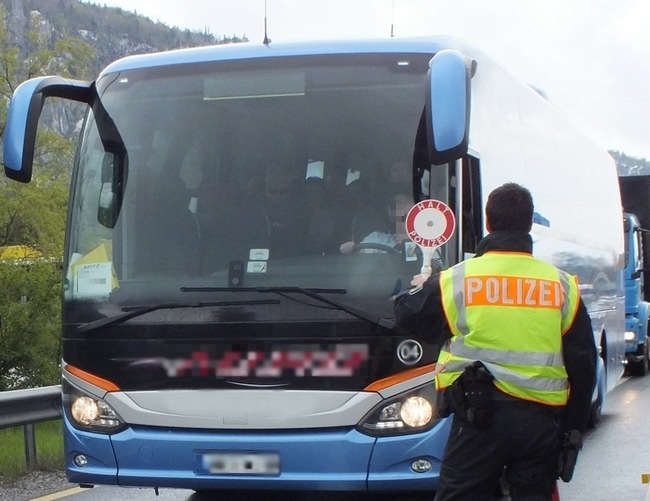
(314, 293)
(136, 311)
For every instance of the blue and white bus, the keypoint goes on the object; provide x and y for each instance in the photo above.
(227, 321)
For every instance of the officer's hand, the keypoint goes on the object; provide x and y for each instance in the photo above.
(419, 279)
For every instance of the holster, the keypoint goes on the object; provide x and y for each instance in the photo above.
(571, 445)
(470, 397)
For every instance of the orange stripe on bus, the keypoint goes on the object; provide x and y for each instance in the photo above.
(382, 384)
(102, 383)
(512, 291)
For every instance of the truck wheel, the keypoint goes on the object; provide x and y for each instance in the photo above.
(642, 367)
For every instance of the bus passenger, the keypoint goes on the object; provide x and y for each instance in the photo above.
(518, 359)
(285, 215)
(326, 217)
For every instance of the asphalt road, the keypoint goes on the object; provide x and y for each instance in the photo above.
(614, 456)
(617, 452)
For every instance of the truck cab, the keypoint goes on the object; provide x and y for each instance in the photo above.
(636, 307)
(635, 193)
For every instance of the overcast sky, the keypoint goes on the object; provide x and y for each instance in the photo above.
(591, 57)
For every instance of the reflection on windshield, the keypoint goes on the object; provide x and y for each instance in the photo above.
(234, 183)
(290, 292)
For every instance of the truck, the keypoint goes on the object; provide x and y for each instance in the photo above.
(635, 197)
(214, 335)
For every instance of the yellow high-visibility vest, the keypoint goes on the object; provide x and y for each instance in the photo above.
(509, 310)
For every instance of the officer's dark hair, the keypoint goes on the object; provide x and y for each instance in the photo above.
(509, 207)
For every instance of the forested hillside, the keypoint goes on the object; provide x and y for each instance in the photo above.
(111, 32)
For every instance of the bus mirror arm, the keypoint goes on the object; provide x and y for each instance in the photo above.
(22, 118)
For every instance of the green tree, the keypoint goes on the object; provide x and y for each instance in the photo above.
(29, 323)
(34, 214)
(9, 63)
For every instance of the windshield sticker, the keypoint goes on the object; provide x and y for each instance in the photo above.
(256, 267)
(92, 280)
(258, 255)
(410, 251)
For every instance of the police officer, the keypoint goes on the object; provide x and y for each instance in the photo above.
(517, 365)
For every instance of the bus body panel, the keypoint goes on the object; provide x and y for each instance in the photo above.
(100, 466)
(520, 136)
(391, 465)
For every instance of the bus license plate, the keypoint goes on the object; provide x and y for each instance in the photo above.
(242, 463)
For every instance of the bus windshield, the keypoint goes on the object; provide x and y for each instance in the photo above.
(275, 175)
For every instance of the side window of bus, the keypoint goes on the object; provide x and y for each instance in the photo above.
(472, 222)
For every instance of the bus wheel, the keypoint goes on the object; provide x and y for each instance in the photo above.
(595, 413)
(596, 409)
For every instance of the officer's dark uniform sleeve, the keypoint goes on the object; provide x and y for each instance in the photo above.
(420, 312)
(580, 359)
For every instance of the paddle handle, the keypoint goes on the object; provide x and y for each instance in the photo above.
(427, 257)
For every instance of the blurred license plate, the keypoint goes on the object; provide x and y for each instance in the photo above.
(242, 463)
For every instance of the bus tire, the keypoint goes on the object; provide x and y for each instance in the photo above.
(596, 409)
(595, 413)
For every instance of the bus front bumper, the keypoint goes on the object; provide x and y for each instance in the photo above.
(322, 460)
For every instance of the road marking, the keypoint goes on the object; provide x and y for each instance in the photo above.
(645, 479)
(61, 494)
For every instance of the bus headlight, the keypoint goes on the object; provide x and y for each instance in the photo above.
(416, 412)
(410, 412)
(91, 413)
(85, 410)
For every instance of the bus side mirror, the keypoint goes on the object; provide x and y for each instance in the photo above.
(22, 120)
(448, 105)
(114, 168)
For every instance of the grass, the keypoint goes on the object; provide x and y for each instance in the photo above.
(49, 450)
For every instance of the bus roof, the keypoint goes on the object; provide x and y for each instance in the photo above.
(252, 50)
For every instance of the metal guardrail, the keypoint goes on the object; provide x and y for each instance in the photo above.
(26, 408)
